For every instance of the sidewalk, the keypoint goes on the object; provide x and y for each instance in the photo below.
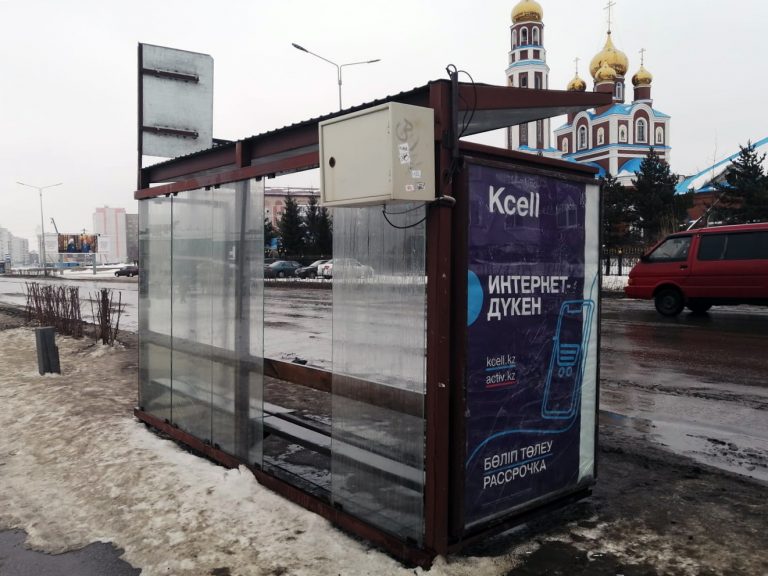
(93, 560)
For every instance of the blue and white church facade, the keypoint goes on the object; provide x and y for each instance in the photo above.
(613, 138)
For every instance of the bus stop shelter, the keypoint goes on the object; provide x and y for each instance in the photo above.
(463, 391)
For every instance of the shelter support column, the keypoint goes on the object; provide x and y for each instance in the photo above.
(438, 333)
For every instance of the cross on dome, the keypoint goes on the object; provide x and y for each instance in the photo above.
(643, 77)
(609, 7)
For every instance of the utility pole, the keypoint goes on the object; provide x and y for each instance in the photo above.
(42, 220)
(61, 256)
(338, 66)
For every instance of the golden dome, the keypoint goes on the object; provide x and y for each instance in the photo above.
(642, 77)
(527, 11)
(577, 84)
(605, 73)
(614, 57)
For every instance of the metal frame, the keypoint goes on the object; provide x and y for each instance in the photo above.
(140, 116)
(295, 148)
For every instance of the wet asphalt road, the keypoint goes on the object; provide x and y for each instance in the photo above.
(725, 346)
(694, 384)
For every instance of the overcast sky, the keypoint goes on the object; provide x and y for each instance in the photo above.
(68, 69)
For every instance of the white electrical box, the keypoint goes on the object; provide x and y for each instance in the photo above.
(378, 155)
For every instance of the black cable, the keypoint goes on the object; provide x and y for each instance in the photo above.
(441, 201)
(474, 106)
(466, 121)
(384, 208)
(402, 227)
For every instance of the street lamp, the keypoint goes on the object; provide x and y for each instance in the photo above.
(42, 228)
(338, 66)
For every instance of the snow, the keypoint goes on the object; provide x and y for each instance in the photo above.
(13, 289)
(615, 283)
(77, 468)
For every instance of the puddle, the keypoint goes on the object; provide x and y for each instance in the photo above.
(723, 449)
(718, 446)
(563, 559)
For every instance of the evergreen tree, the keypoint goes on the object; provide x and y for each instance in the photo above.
(744, 194)
(618, 213)
(657, 209)
(269, 232)
(325, 233)
(291, 228)
(312, 226)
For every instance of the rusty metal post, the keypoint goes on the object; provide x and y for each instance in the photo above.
(439, 247)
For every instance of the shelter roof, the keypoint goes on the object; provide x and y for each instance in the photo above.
(482, 108)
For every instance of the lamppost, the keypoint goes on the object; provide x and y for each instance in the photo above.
(42, 227)
(338, 66)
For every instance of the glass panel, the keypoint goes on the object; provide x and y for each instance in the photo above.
(672, 250)
(201, 314)
(590, 291)
(297, 321)
(379, 381)
(250, 342)
(711, 246)
(155, 307)
(743, 247)
(237, 313)
(192, 314)
(762, 242)
(223, 279)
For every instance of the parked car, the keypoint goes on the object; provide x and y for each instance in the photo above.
(281, 269)
(311, 270)
(703, 268)
(321, 269)
(356, 269)
(129, 271)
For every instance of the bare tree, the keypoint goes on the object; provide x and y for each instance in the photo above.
(106, 315)
(57, 306)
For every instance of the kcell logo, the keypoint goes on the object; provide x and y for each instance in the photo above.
(524, 206)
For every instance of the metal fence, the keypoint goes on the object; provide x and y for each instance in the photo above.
(618, 261)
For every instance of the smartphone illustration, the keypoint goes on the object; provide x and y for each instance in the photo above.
(566, 365)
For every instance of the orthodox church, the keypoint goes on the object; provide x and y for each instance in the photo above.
(613, 138)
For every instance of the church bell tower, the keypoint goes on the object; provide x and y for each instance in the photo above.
(528, 69)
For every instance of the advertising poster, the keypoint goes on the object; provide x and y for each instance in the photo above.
(77, 243)
(531, 338)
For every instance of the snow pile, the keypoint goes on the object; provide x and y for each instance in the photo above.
(76, 467)
(615, 283)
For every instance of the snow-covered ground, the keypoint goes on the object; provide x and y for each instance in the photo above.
(77, 468)
(13, 290)
(615, 283)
